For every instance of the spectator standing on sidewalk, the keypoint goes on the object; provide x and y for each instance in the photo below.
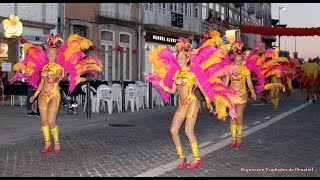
(31, 106)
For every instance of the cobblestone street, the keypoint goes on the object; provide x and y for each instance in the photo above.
(97, 147)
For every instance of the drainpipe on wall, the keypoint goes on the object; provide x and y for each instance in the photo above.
(139, 45)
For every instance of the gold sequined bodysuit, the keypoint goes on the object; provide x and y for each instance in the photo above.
(186, 79)
(240, 80)
(48, 74)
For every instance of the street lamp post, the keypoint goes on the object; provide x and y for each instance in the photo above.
(280, 8)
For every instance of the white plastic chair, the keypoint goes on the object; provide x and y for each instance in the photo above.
(157, 98)
(116, 96)
(104, 95)
(131, 95)
(141, 95)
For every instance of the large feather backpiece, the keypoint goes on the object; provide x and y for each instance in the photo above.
(165, 66)
(253, 63)
(209, 64)
(30, 67)
(74, 61)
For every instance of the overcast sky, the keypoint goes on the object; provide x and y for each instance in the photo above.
(299, 15)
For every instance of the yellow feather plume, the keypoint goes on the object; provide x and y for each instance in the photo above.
(85, 43)
(80, 80)
(159, 67)
(272, 86)
(215, 41)
(214, 58)
(18, 66)
(215, 79)
(276, 72)
(226, 47)
(26, 47)
(220, 110)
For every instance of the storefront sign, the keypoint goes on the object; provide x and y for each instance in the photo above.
(176, 20)
(231, 35)
(6, 67)
(161, 38)
(3, 50)
(12, 26)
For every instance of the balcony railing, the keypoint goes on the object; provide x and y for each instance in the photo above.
(122, 11)
(207, 27)
(162, 18)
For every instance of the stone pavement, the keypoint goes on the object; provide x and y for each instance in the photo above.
(91, 147)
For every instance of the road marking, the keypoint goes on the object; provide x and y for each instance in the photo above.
(256, 122)
(268, 117)
(204, 144)
(173, 165)
(225, 135)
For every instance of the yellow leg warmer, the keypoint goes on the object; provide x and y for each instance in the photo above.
(276, 101)
(239, 131)
(180, 152)
(195, 150)
(55, 134)
(46, 134)
(233, 130)
(273, 101)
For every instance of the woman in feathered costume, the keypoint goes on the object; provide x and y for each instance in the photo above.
(238, 84)
(189, 69)
(273, 69)
(310, 78)
(292, 70)
(49, 68)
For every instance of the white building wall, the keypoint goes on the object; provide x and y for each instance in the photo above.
(34, 12)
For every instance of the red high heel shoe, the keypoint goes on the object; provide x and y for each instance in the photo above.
(183, 164)
(197, 164)
(49, 149)
(238, 145)
(233, 144)
(275, 109)
(57, 151)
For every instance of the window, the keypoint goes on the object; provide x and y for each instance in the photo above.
(124, 38)
(196, 11)
(108, 44)
(204, 11)
(125, 57)
(107, 35)
(80, 30)
(211, 7)
(217, 8)
(162, 5)
(222, 13)
(173, 7)
(149, 6)
(184, 8)
(231, 15)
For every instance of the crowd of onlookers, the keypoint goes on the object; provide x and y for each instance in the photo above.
(218, 21)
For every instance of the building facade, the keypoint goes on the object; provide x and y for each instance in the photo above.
(125, 33)
(38, 19)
